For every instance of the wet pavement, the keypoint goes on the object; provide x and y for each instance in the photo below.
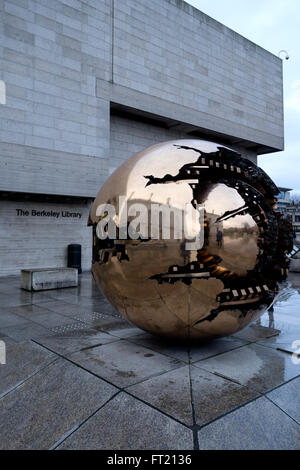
(78, 376)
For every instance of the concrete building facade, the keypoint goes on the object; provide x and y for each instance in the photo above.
(90, 82)
(287, 205)
(284, 199)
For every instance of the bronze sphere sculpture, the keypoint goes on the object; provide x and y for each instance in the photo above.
(187, 285)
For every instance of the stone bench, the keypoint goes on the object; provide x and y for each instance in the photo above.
(48, 278)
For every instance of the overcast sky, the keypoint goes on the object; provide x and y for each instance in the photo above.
(274, 25)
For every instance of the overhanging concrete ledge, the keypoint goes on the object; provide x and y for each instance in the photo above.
(193, 121)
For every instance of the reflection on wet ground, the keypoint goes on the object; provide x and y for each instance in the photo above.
(75, 368)
(284, 315)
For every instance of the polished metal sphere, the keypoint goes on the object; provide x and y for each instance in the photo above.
(167, 284)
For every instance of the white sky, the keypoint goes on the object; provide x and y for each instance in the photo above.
(274, 25)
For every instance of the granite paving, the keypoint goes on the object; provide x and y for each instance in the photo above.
(79, 376)
(258, 425)
(132, 425)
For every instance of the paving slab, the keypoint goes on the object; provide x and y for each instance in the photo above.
(109, 323)
(169, 392)
(39, 297)
(7, 339)
(98, 304)
(22, 361)
(87, 314)
(51, 320)
(49, 405)
(102, 306)
(102, 321)
(7, 318)
(64, 294)
(79, 323)
(260, 425)
(64, 308)
(90, 291)
(289, 345)
(212, 395)
(7, 289)
(18, 298)
(287, 397)
(287, 337)
(214, 347)
(75, 340)
(25, 331)
(70, 326)
(123, 363)
(125, 332)
(14, 296)
(184, 351)
(28, 311)
(255, 366)
(162, 345)
(132, 426)
(38, 314)
(256, 332)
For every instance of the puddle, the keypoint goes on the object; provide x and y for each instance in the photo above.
(284, 314)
